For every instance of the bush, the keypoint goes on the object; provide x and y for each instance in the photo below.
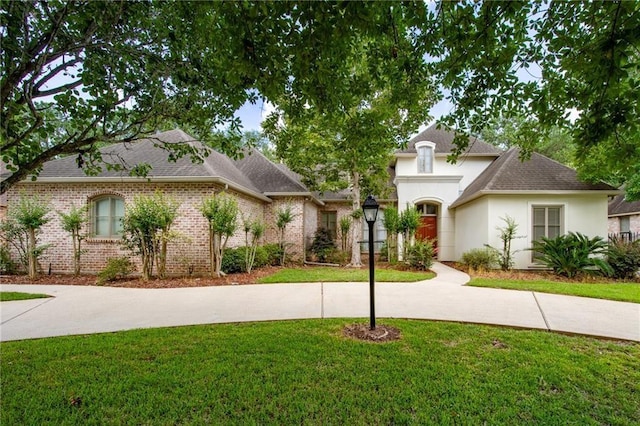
(274, 254)
(480, 259)
(420, 255)
(323, 244)
(234, 261)
(624, 258)
(7, 265)
(117, 267)
(572, 254)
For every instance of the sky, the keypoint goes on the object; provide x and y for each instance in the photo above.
(253, 114)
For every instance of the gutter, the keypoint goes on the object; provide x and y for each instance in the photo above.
(536, 192)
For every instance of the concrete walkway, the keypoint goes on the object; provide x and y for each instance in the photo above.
(88, 309)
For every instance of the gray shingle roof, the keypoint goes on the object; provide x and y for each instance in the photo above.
(268, 176)
(618, 206)
(128, 154)
(508, 174)
(443, 139)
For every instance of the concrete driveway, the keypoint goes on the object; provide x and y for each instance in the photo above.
(89, 309)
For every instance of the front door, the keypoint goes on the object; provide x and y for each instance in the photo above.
(428, 228)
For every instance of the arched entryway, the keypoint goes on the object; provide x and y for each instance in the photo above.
(428, 228)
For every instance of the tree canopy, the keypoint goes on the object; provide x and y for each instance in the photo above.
(79, 74)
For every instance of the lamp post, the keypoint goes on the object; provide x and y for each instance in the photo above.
(370, 209)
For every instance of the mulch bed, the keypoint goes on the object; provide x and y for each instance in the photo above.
(381, 334)
(136, 282)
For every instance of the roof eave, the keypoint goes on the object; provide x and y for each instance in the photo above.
(535, 192)
(295, 194)
(159, 179)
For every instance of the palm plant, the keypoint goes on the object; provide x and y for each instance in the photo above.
(572, 254)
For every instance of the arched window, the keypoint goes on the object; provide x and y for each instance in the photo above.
(107, 213)
(425, 159)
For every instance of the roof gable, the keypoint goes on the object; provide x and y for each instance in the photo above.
(507, 174)
(443, 139)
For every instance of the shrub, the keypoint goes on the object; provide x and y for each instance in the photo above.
(234, 260)
(420, 254)
(624, 258)
(117, 267)
(480, 259)
(274, 254)
(323, 244)
(7, 265)
(572, 254)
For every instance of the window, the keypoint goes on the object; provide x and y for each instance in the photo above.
(547, 222)
(328, 221)
(625, 225)
(107, 215)
(427, 209)
(425, 159)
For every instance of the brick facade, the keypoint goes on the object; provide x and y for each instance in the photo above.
(189, 250)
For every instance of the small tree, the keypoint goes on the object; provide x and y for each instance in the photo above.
(409, 223)
(507, 235)
(256, 230)
(146, 230)
(345, 227)
(221, 211)
(31, 215)
(323, 244)
(73, 222)
(284, 216)
(392, 225)
(14, 235)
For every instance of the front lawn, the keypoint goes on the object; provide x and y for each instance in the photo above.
(7, 296)
(623, 292)
(328, 274)
(306, 372)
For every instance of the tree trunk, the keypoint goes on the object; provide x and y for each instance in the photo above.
(356, 260)
(33, 260)
(76, 252)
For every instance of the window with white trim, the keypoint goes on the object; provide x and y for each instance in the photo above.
(425, 159)
(107, 214)
(547, 221)
(625, 224)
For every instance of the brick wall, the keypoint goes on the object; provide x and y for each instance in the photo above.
(295, 231)
(189, 248)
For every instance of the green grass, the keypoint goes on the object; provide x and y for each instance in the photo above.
(305, 372)
(6, 296)
(328, 274)
(623, 292)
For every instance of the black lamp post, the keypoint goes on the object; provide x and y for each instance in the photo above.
(370, 209)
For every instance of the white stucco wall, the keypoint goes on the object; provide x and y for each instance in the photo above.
(584, 213)
(467, 167)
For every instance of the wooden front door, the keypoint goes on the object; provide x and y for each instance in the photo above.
(428, 228)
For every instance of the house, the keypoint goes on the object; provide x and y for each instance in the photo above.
(260, 187)
(461, 205)
(624, 218)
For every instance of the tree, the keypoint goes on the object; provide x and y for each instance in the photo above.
(351, 146)
(256, 229)
(147, 230)
(507, 234)
(125, 69)
(345, 226)
(73, 222)
(31, 214)
(506, 132)
(392, 225)
(221, 211)
(544, 60)
(408, 224)
(284, 216)
(78, 75)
